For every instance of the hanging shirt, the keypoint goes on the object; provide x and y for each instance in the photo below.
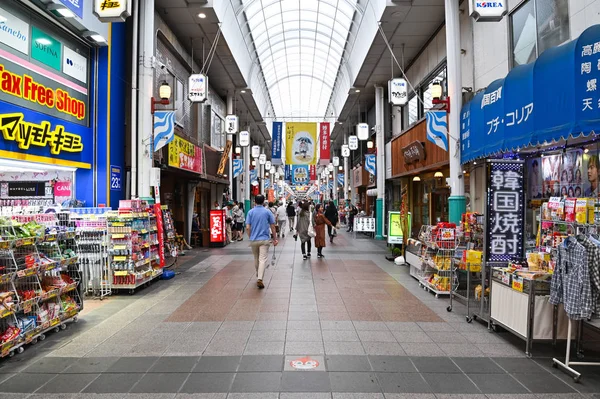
(595, 279)
(571, 280)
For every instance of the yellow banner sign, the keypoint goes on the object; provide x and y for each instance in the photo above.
(301, 143)
(185, 155)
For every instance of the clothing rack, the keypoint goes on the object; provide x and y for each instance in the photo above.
(566, 365)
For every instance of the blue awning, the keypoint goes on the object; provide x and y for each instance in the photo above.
(556, 97)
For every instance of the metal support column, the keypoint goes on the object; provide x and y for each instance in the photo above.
(247, 161)
(380, 204)
(346, 173)
(230, 138)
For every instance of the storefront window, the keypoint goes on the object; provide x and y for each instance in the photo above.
(536, 26)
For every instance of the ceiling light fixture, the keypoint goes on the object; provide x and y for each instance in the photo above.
(60, 11)
(416, 178)
(438, 174)
(357, 91)
(202, 15)
(43, 41)
(243, 91)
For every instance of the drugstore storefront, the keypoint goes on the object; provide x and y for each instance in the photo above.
(62, 138)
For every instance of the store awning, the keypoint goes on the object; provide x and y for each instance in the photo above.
(556, 97)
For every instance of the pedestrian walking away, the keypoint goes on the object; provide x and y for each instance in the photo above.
(319, 222)
(302, 225)
(331, 213)
(281, 220)
(291, 213)
(260, 224)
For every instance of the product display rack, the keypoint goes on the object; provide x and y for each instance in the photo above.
(133, 246)
(169, 234)
(39, 280)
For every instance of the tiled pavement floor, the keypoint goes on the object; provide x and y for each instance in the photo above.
(210, 333)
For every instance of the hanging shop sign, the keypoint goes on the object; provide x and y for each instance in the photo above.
(371, 164)
(262, 159)
(231, 124)
(345, 151)
(530, 106)
(487, 11)
(277, 143)
(255, 151)
(336, 161)
(414, 152)
(268, 165)
(437, 128)
(238, 167)
(362, 131)
(14, 32)
(244, 138)
(301, 143)
(164, 128)
(353, 143)
(397, 91)
(198, 88)
(324, 143)
(312, 170)
(185, 155)
(505, 211)
(224, 158)
(112, 10)
(357, 174)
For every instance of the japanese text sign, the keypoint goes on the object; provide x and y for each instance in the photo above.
(505, 211)
(324, 143)
(277, 142)
(185, 155)
(217, 226)
(398, 91)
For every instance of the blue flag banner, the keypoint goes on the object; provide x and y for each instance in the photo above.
(276, 143)
(288, 173)
(164, 128)
(371, 164)
(267, 183)
(300, 174)
(238, 167)
(531, 105)
(437, 128)
(253, 175)
(340, 179)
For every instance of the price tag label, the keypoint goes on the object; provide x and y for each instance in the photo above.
(517, 283)
(27, 307)
(120, 258)
(506, 278)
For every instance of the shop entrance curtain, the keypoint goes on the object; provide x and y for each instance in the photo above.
(556, 97)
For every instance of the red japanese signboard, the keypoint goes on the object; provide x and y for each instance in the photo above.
(217, 226)
(313, 172)
(324, 143)
(161, 240)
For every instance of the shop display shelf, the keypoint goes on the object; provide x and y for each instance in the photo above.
(432, 288)
(139, 282)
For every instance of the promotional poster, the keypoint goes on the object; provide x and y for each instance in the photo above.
(301, 143)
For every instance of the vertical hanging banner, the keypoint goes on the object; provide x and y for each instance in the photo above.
(300, 175)
(505, 211)
(224, 158)
(340, 179)
(313, 172)
(164, 128)
(437, 128)
(159, 227)
(301, 143)
(276, 143)
(371, 164)
(288, 173)
(238, 167)
(324, 143)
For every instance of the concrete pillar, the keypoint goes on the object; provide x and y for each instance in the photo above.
(346, 172)
(246, 152)
(457, 200)
(335, 184)
(261, 169)
(380, 204)
(230, 96)
(146, 91)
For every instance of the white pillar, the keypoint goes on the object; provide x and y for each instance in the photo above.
(380, 120)
(457, 199)
(335, 184)
(146, 91)
(346, 172)
(246, 152)
(261, 169)
(230, 137)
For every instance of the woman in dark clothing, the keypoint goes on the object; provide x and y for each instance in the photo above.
(302, 223)
(351, 214)
(331, 213)
(291, 213)
(319, 224)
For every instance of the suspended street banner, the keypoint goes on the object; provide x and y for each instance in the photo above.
(340, 179)
(238, 167)
(371, 164)
(288, 173)
(300, 174)
(164, 128)
(253, 176)
(324, 143)
(301, 143)
(437, 128)
(276, 143)
(313, 172)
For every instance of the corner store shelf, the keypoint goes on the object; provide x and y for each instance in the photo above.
(155, 274)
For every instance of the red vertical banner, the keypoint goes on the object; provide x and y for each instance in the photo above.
(313, 172)
(324, 143)
(160, 234)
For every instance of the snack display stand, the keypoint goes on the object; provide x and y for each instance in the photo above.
(133, 246)
(40, 279)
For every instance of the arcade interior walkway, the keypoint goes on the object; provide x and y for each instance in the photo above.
(352, 325)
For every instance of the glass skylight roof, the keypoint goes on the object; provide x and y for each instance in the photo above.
(300, 46)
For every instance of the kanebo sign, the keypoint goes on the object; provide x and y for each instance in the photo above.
(112, 10)
(487, 11)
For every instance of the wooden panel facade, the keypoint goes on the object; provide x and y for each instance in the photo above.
(435, 157)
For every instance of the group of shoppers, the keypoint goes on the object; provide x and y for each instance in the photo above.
(312, 224)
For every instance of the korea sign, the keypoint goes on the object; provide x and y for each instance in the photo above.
(398, 91)
(353, 143)
(198, 88)
(231, 124)
(505, 211)
(112, 10)
(487, 11)
(244, 138)
(345, 151)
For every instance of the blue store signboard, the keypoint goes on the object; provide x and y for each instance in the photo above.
(115, 178)
(553, 98)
